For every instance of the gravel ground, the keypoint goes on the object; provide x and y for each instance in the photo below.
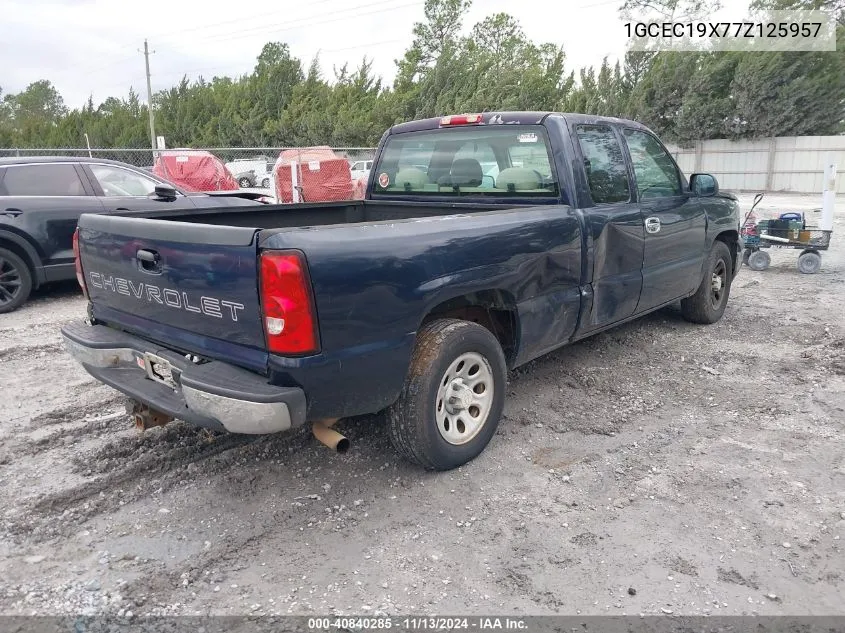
(658, 468)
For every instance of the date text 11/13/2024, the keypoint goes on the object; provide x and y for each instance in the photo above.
(418, 623)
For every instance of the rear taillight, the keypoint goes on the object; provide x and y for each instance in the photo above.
(78, 262)
(287, 307)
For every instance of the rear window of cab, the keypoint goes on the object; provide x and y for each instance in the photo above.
(496, 161)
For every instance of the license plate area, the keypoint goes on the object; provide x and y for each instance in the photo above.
(157, 369)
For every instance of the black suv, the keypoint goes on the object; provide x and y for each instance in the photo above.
(41, 199)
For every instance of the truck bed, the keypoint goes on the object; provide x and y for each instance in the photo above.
(280, 216)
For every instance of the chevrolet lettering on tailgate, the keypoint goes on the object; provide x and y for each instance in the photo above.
(209, 306)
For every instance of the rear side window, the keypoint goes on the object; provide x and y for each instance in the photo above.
(483, 160)
(657, 176)
(604, 164)
(43, 180)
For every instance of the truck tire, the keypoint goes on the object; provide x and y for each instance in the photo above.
(708, 303)
(452, 399)
(15, 281)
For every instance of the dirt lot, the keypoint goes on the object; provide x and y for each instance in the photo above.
(658, 468)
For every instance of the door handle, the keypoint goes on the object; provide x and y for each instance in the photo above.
(148, 261)
(121, 209)
(652, 225)
(12, 211)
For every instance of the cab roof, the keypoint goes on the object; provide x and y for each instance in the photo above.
(514, 118)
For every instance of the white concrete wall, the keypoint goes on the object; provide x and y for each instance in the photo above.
(788, 163)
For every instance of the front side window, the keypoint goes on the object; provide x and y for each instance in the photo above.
(657, 176)
(488, 160)
(120, 182)
(604, 164)
(47, 179)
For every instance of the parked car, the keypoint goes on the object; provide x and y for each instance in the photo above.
(360, 169)
(416, 300)
(246, 179)
(41, 199)
(252, 172)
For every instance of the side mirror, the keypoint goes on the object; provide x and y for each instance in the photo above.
(703, 185)
(165, 192)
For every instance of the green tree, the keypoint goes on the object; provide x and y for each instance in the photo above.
(834, 7)
(789, 93)
(659, 97)
(682, 96)
(33, 113)
(709, 106)
(669, 10)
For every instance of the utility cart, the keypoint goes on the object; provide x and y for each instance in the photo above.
(788, 230)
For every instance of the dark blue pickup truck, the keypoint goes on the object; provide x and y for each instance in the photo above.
(483, 242)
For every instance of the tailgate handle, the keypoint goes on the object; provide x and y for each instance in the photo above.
(149, 261)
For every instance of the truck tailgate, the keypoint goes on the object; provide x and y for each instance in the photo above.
(194, 285)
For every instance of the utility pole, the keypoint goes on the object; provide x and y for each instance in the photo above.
(150, 98)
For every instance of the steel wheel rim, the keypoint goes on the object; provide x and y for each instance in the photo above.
(464, 398)
(10, 281)
(717, 282)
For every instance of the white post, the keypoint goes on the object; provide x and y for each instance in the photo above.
(294, 182)
(829, 193)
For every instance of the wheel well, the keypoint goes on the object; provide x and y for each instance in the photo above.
(730, 239)
(492, 309)
(20, 252)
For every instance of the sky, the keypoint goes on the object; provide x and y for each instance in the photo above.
(93, 47)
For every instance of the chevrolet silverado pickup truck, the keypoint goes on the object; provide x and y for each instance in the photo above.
(484, 241)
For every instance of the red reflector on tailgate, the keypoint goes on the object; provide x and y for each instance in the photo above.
(290, 323)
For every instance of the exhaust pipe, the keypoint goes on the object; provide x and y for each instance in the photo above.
(329, 436)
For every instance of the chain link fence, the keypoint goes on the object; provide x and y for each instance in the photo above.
(290, 174)
(144, 157)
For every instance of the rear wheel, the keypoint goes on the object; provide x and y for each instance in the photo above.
(453, 396)
(809, 262)
(708, 303)
(15, 281)
(759, 260)
(265, 183)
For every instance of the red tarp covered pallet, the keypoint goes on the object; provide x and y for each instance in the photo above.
(320, 175)
(194, 170)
